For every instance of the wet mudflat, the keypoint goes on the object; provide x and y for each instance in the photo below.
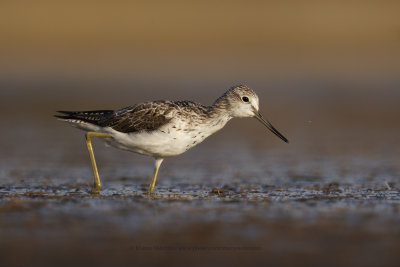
(208, 208)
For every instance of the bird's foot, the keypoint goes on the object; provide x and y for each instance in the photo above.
(95, 190)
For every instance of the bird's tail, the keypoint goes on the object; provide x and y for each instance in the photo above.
(94, 116)
(93, 120)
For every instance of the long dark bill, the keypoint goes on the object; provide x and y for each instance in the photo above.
(259, 117)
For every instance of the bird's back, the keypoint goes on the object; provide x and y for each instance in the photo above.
(148, 116)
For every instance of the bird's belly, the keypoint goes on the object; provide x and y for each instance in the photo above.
(160, 143)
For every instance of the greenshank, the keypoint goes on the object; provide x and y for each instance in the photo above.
(162, 129)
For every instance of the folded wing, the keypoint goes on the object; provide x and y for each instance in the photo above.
(142, 117)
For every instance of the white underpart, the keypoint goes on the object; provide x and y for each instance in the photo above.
(172, 139)
(166, 141)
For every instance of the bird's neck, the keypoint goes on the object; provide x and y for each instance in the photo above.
(218, 114)
(220, 108)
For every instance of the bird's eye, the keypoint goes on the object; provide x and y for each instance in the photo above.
(245, 99)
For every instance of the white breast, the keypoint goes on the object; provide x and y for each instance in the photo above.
(170, 140)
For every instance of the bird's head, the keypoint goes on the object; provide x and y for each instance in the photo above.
(241, 101)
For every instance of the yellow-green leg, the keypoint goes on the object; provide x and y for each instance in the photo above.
(97, 183)
(153, 180)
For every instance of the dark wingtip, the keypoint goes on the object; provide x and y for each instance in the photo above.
(61, 117)
(65, 114)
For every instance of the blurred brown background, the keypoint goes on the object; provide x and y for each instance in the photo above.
(327, 73)
(320, 67)
(177, 39)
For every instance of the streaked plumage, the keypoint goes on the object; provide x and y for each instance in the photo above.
(162, 128)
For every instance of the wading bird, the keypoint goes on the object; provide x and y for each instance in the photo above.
(162, 129)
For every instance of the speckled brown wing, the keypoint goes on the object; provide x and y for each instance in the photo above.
(141, 117)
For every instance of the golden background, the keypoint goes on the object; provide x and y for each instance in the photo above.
(327, 74)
